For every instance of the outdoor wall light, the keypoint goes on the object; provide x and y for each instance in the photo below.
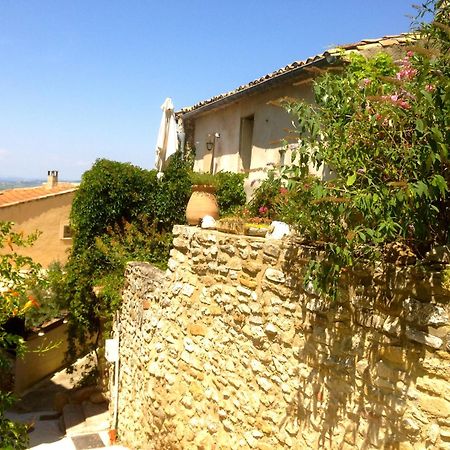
(211, 142)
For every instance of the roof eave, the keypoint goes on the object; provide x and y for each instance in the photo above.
(254, 89)
(43, 197)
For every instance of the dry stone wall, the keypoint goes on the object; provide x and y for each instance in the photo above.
(228, 350)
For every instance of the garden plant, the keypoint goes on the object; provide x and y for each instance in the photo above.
(19, 275)
(383, 131)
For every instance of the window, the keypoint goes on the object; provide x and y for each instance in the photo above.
(66, 232)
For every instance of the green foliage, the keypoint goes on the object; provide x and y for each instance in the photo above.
(50, 296)
(230, 192)
(120, 213)
(13, 435)
(137, 241)
(383, 131)
(110, 192)
(18, 276)
(203, 179)
(172, 194)
(267, 198)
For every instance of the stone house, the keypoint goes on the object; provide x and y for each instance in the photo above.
(242, 130)
(46, 209)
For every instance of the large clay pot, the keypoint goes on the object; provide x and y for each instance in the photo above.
(202, 203)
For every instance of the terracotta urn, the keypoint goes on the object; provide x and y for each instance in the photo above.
(202, 203)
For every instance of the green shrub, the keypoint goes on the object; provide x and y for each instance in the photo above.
(120, 213)
(230, 191)
(172, 194)
(18, 275)
(50, 296)
(203, 179)
(384, 131)
(110, 192)
(266, 199)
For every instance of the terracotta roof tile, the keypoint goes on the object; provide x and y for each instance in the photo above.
(10, 197)
(365, 44)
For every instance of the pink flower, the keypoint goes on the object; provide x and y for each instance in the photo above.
(410, 54)
(403, 104)
(407, 73)
(396, 100)
(263, 210)
(430, 87)
(283, 191)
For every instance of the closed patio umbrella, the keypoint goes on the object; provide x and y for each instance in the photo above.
(166, 144)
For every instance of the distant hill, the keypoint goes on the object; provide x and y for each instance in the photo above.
(10, 183)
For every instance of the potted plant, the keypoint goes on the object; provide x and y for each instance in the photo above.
(203, 201)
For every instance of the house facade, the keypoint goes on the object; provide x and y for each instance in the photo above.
(243, 130)
(45, 209)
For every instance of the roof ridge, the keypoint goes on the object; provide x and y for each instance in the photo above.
(389, 40)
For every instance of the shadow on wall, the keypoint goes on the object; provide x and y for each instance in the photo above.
(361, 374)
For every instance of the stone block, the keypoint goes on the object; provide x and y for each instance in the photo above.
(423, 338)
(272, 250)
(264, 383)
(434, 385)
(197, 329)
(275, 275)
(435, 406)
(392, 325)
(271, 329)
(252, 268)
(215, 310)
(248, 282)
(425, 314)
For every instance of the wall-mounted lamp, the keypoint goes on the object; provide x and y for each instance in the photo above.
(210, 146)
(211, 142)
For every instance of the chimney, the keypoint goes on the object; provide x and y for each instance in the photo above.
(52, 179)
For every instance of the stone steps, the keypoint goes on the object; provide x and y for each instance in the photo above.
(73, 420)
(85, 418)
(97, 415)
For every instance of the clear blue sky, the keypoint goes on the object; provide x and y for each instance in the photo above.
(84, 79)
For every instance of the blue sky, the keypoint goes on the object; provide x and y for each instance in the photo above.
(84, 79)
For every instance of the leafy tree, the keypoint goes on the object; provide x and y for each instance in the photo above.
(120, 213)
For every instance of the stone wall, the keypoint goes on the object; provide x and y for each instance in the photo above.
(227, 350)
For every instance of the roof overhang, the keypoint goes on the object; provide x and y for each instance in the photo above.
(300, 73)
